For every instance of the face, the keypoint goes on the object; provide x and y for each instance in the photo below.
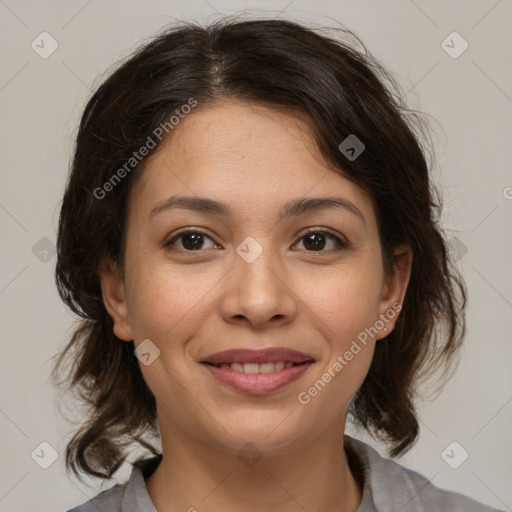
(267, 269)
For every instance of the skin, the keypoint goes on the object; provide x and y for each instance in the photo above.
(192, 304)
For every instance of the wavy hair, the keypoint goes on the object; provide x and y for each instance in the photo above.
(283, 65)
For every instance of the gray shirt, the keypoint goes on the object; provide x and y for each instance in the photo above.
(388, 487)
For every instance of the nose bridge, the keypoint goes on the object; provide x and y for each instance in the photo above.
(257, 289)
(257, 267)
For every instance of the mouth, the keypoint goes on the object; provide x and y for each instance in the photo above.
(268, 367)
(258, 371)
(274, 355)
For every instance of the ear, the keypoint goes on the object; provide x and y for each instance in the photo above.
(393, 289)
(113, 293)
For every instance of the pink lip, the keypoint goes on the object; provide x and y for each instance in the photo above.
(257, 356)
(259, 383)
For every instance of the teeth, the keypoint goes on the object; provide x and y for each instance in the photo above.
(265, 367)
(251, 367)
(238, 367)
(258, 368)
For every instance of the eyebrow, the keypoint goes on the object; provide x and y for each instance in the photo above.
(292, 208)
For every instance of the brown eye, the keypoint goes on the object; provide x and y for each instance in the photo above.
(316, 241)
(191, 240)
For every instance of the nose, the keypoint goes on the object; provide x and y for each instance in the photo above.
(258, 294)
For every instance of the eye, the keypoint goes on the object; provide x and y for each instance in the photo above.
(190, 239)
(316, 240)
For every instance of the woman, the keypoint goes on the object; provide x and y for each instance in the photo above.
(250, 234)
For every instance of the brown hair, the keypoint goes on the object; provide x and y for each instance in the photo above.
(280, 64)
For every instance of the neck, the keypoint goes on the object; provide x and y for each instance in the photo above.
(195, 476)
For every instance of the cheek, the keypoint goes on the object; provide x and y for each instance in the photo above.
(346, 307)
(346, 302)
(164, 299)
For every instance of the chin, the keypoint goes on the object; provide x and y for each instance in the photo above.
(276, 433)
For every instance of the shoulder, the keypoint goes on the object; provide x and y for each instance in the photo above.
(107, 501)
(390, 486)
(130, 496)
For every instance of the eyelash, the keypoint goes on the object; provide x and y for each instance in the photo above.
(341, 243)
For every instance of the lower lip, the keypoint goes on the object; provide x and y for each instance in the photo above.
(258, 383)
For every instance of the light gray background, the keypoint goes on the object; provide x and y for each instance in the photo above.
(469, 96)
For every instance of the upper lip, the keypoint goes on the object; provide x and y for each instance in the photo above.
(258, 356)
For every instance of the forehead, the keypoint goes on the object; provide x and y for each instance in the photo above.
(239, 132)
(236, 151)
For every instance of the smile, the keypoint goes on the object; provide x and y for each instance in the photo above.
(257, 371)
(269, 367)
